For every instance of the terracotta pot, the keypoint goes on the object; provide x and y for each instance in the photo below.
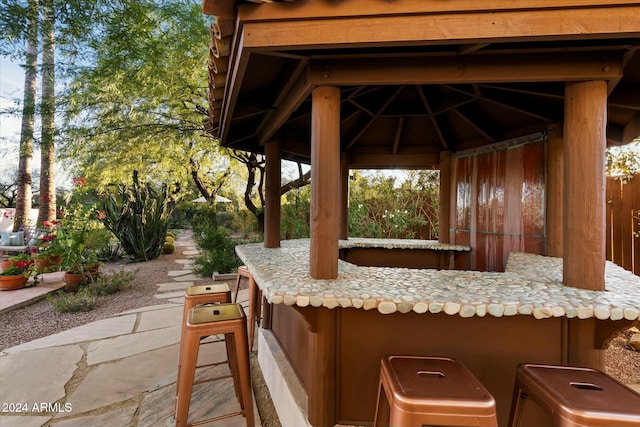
(73, 281)
(47, 263)
(10, 283)
(7, 264)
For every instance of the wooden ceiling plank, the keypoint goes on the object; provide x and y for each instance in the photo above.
(626, 96)
(467, 49)
(474, 125)
(361, 107)
(528, 91)
(479, 69)
(505, 105)
(396, 139)
(432, 117)
(469, 27)
(373, 119)
(632, 129)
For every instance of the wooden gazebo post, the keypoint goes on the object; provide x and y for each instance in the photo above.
(445, 197)
(584, 249)
(555, 177)
(325, 182)
(584, 220)
(272, 195)
(344, 203)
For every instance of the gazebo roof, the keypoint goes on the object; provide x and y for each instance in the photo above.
(416, 77)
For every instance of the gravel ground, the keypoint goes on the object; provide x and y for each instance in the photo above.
(39, 320)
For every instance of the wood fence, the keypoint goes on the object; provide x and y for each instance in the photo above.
(623, 223)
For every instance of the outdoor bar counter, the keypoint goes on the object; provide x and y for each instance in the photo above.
(334, 332)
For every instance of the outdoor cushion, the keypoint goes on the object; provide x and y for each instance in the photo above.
(12, 239)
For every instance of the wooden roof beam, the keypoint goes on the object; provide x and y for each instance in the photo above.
(390, 27)
(467, 69)
(289, 102)
(392, 161)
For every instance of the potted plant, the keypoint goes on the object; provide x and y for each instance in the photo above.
(16, 277)
(14, 261)
(47, 250)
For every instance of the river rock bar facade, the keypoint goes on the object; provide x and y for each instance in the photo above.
(513, 102)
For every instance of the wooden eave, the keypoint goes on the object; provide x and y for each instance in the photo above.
(465, 73)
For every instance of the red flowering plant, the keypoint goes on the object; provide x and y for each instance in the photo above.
(46, 243)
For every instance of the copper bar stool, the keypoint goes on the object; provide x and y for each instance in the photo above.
(441, 391)
(203, 321)
(575, 396)
(201, 295)
(255, 301)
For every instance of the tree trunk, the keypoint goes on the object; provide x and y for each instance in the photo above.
(23, 200)
(47, 198)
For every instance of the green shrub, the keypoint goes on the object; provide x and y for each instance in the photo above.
(168, 248)
(83, 300)
(110, 283)
(169, 239)
(217, 250)
(110, 253)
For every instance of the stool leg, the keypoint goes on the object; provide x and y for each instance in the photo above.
(242, 353)
(235, 292)
(232, 359)
(383, 410)
(189, 354)
(517, 407)
(253, 302)
(187, 306)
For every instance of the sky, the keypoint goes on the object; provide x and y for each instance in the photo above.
(11, 87)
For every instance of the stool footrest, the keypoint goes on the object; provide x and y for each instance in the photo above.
(223, 377)
(221, 417)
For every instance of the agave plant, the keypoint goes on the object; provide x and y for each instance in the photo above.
(138, 216)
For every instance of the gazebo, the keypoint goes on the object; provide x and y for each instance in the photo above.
(513, 101)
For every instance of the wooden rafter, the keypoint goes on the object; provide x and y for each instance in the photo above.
(370, 122)
(396, 139)
(432, 117)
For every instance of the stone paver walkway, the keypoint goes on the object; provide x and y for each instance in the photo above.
(115, 372)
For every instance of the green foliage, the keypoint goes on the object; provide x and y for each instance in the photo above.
(381, 207)
(624, 161)
(110, 283)
(140, 103)
(294, 214)
(139, 217)
(83, 300)
(168, 248)
(217, 249)
(81, 235)
(110, 252)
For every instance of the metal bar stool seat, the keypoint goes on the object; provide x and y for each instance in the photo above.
(575, 396)
(203, 321)
(415, 391)
(255, 301)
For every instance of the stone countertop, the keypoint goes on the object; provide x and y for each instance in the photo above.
(530, 286)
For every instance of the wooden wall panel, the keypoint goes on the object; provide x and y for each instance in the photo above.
(623, 248)
(500, 204)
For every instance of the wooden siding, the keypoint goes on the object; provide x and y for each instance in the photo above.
(500, 204)
(622, 201)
